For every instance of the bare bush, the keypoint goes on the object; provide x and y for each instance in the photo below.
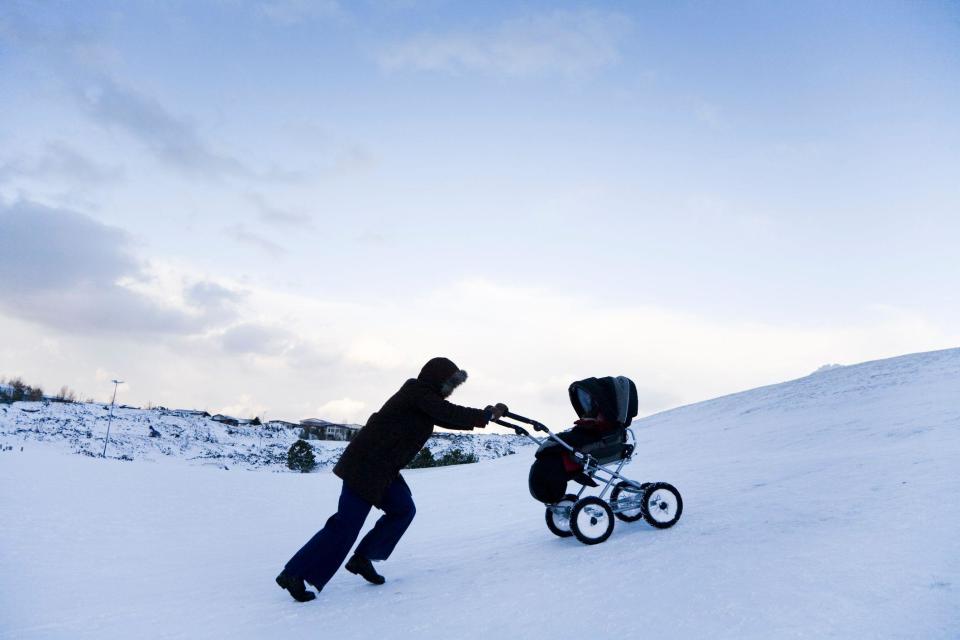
(66, 394)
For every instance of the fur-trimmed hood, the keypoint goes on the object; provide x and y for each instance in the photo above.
(442, 375)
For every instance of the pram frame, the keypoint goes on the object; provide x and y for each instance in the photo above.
(591, 466)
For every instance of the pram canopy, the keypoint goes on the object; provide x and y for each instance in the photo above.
(614, 397)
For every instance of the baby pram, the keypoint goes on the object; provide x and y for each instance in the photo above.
(599, 446)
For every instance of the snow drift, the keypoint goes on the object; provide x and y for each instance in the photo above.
(822, 507)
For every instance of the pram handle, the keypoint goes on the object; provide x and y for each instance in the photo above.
(533, 423)
(520, 431)
(517, 429)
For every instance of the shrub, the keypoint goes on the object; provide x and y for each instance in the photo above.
(66, 394)
(34, 395)
(455, 456)
(423, 459)
(19, 390)
(300, 457)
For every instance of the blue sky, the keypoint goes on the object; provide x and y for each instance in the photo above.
(286, 206)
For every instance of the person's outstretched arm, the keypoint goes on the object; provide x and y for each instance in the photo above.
(453, 416)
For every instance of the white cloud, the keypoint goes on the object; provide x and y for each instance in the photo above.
(251, 338)
(58, 161)
(521, 345)
(274, 216)
(366, 350)
(244, 407)
(66, 270)
(524, 346)
(343, 410)
(171, 138)
(254, 239)
(564, 42)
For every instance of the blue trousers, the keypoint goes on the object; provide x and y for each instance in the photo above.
(319, 559)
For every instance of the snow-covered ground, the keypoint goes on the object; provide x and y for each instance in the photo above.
(826, 507)
(181, 436)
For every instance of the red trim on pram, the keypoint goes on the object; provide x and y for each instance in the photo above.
(597, 426)
(569, 465)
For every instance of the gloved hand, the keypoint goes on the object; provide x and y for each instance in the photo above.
(498, 410)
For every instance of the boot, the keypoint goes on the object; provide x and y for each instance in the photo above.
(364, 568)
(295, 586)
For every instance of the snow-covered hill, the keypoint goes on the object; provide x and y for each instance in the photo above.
(826, 507)
(182, 436)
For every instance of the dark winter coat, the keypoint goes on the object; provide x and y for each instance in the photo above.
(395, 434)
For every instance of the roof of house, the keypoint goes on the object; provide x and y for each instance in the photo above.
(316, 422)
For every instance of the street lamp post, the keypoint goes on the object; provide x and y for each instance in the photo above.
(260, 429)
(116, 383)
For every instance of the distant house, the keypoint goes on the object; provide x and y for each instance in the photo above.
(236, 422)
(188, 412)
(317, 429)
(282, 424)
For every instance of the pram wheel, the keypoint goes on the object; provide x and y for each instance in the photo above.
(662, 505)
(632, 508)
(558, 516)
(591, 520)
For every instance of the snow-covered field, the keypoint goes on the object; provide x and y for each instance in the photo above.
(154, 435)
(826, 507)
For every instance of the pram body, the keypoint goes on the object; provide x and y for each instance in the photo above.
(586, 458)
